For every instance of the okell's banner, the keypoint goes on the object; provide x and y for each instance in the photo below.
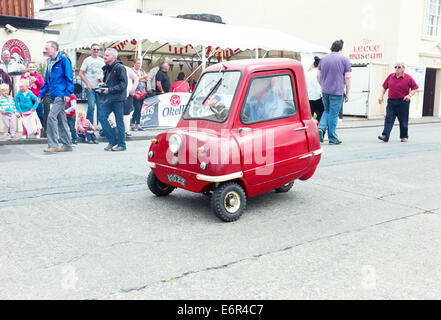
(164, 110)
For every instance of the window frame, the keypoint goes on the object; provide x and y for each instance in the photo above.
(427, 23)
(294, 96)
(232, 101)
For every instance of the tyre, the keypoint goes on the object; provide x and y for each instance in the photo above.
(229, 201)
(157, 187)
(287, 187)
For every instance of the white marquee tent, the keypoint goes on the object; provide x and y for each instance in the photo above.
(162, 35)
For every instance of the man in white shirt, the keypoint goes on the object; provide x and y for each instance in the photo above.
(9, 65)
(91, 71)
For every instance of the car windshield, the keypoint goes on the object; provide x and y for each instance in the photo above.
(213, 96)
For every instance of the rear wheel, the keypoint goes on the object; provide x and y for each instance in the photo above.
(157, 187)
(286, 188)
(229, 201)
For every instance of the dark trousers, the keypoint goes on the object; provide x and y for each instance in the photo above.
(71, 123)
(397, 108)
(117, 107)
(137, 104)
(40, 113)
(46, 110)
(317, 107)
(87, 136)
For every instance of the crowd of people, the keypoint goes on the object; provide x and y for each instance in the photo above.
(109, 87)
(329, 84)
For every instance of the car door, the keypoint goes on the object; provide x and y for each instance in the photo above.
(271, 135)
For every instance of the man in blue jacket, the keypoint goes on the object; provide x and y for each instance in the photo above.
(58, 83)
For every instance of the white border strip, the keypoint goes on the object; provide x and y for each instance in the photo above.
(228, 177)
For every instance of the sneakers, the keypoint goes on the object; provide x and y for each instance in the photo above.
(75, 143)
(404, 140)
(336, 142)
(118, 148)
(128, 134)
(51, 150)
(109, 147)
(95, 142)
(140, 129)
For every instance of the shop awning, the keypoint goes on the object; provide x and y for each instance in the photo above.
(99, 25)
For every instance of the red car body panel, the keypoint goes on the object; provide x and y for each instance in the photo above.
(293, 142)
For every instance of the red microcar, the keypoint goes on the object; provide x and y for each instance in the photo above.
(247, 130)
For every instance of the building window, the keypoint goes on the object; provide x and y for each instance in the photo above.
(433, 19)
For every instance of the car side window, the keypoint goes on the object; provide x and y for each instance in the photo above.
(269, 98)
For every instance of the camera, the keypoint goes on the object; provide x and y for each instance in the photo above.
(101, 87)
(10, 29)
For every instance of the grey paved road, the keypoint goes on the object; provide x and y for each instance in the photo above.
(84, 226)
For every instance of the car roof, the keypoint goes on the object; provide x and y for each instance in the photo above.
(255, 65)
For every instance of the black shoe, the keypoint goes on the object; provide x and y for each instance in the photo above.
(140, 129)
(382, 138)
(336, 142)
(101, 133)
(133, 129)
(128, 135)
(118, 148)
(109, 147)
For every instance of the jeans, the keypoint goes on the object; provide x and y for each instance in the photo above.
(117, 107)
(397, 108)
(71, 123)
(46, 110)
(87, 136)
(40, 113)
(92, 100)
(136, 118)
(332, 105)
(57, 125)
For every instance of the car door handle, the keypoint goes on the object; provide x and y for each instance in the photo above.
(244, 129)
(301, 129)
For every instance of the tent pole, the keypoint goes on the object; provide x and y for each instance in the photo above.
(204, 58)
(140, 56)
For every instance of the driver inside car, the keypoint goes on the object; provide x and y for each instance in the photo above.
(263, 103)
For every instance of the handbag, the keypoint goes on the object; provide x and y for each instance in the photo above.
(140, 94)
(29, 121)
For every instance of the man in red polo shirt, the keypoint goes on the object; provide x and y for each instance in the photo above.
(401, 89)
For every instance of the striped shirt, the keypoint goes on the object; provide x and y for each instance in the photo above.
(7, 104)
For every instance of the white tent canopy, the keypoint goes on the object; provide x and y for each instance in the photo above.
(99, 25)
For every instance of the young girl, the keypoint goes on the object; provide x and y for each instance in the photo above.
(8, 111)
(27, 104)
(85, 129)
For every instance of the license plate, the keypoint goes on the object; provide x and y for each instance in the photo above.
(176, 179)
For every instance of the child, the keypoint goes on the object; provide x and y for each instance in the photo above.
(27, 104)
(85, 129)
(71, 118)
(8, 110)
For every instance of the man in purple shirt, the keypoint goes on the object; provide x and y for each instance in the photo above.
(334, 75)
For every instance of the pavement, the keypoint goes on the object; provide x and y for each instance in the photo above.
(83, 225)
(150, 133)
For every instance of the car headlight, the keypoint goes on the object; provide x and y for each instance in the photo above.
(175, 143)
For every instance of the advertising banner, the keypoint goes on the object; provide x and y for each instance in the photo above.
(164, 110)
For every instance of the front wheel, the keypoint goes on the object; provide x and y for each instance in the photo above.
(157, 187)
(229, 201)
(286, 188)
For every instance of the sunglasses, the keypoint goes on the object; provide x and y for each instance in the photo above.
(398, 67)
(95, 49)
